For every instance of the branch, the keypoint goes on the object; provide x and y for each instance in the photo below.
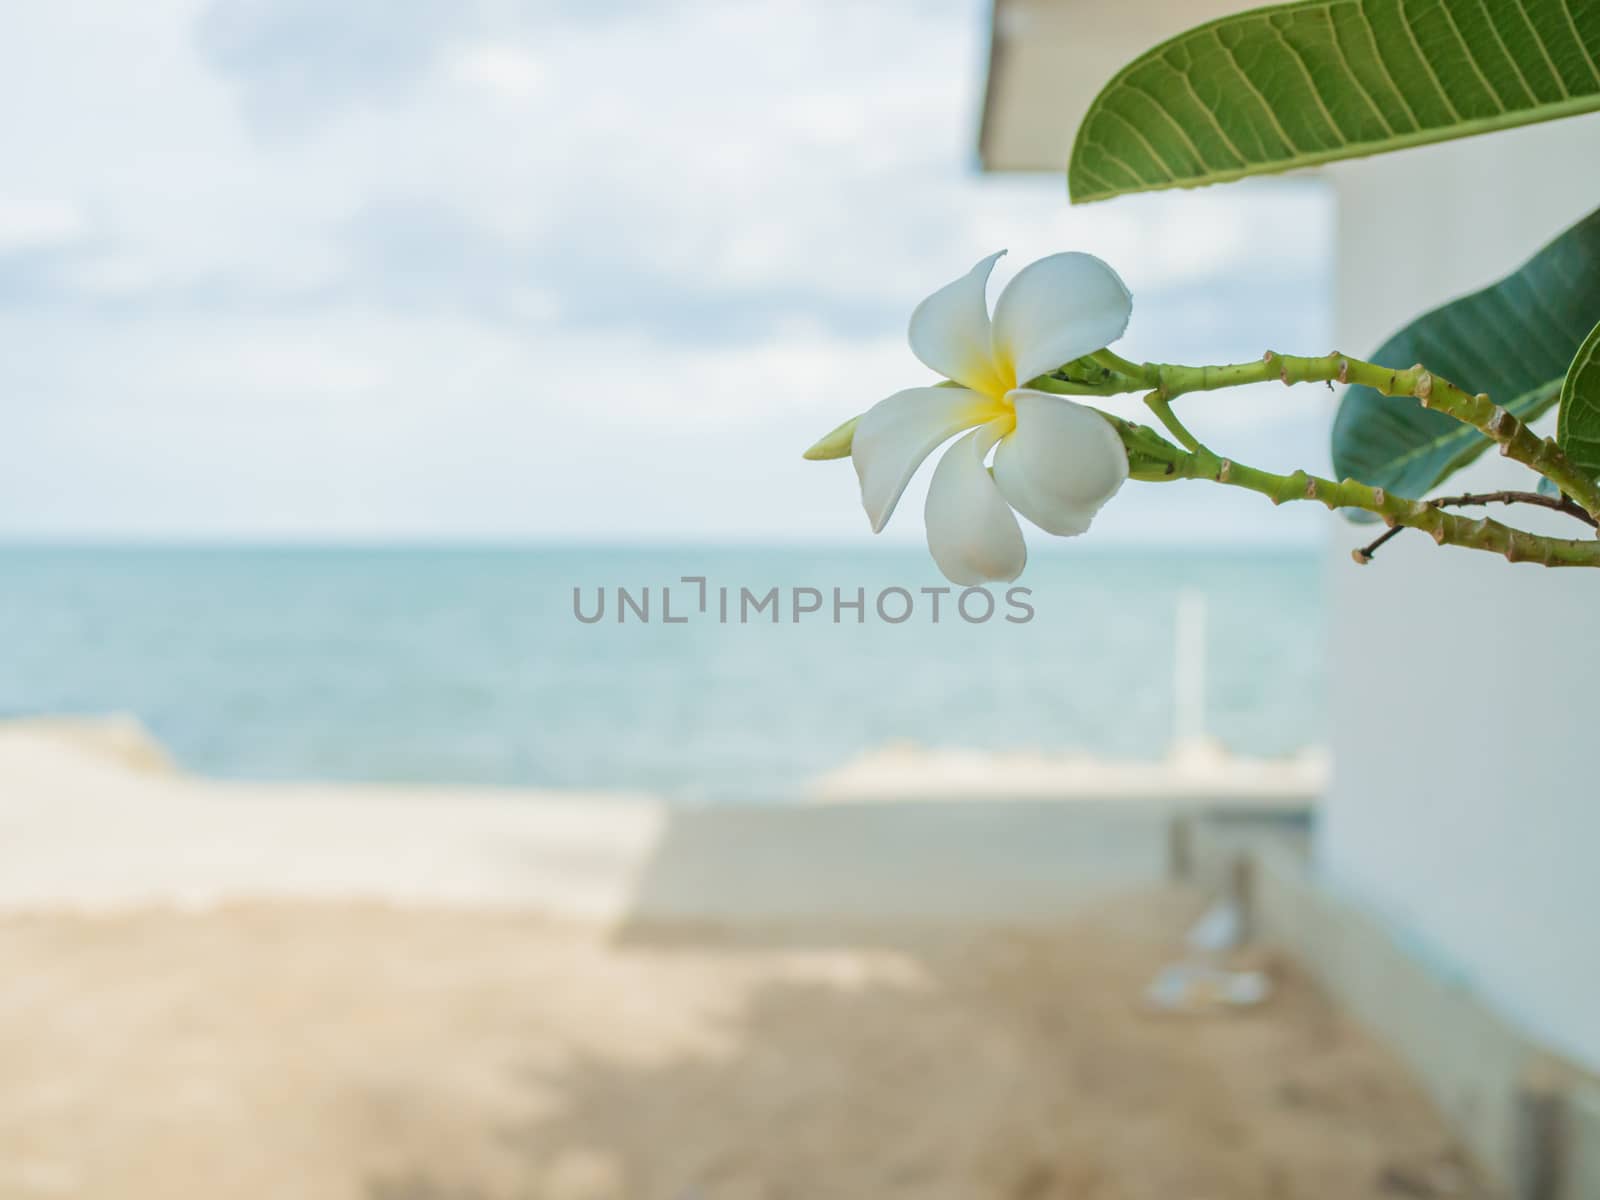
(1364, 555)
(1515, 439)
(1562, 504)
(1153, 459)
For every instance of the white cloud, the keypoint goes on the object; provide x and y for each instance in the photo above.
(510, 72)
(36, 226)
(567, 277)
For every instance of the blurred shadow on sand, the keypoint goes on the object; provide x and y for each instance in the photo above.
(945, 1008)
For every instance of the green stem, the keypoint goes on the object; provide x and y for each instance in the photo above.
(1448, 529)
(1142, 372)
(1515, 439)
(1163, 411)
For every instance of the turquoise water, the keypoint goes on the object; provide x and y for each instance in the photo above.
(469, 665)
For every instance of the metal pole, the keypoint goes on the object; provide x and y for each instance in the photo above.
(1189, 668)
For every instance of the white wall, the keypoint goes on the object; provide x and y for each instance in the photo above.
(1462, 807)
(1033, 106)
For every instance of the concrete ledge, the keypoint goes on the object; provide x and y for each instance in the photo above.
(1531, 1119)
(950, 861)
(83, 826)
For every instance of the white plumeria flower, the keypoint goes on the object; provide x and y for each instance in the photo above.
(1056, 462)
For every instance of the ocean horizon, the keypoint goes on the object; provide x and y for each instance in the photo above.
(487, 663)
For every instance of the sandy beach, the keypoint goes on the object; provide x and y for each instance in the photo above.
(340, 993)
(339, 1051)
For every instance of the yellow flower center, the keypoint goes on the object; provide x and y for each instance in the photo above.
(1005, 371)
(1003, 379)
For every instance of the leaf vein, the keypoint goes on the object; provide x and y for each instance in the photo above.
(1538, 40)
(1355, 77)
(1174, 122)
(1260, 99)
(1144, 141)
(1311, 84)
(1215, 123)
(1583, 49)
(1516, 67)
(1405, 23)
(1383, 66)
(1472, 59)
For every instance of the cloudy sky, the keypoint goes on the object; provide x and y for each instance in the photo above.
(547, 270)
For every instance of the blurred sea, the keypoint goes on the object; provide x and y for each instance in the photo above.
(468, 665)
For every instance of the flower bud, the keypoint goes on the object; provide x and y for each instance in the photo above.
(835, 444)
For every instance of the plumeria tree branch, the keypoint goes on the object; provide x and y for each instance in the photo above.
(1561, 504)
(1512, 435)
(1166, 382)
(1580, 496)
(1057, 460)
(1153, 459)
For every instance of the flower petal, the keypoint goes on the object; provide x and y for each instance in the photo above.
(895, 435)
(1060, 464)
(950, 332)
(971, 531)
(1058, 309)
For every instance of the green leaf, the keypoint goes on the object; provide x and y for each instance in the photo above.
(1298, 84)
(1513, 340)
(1578, 428)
